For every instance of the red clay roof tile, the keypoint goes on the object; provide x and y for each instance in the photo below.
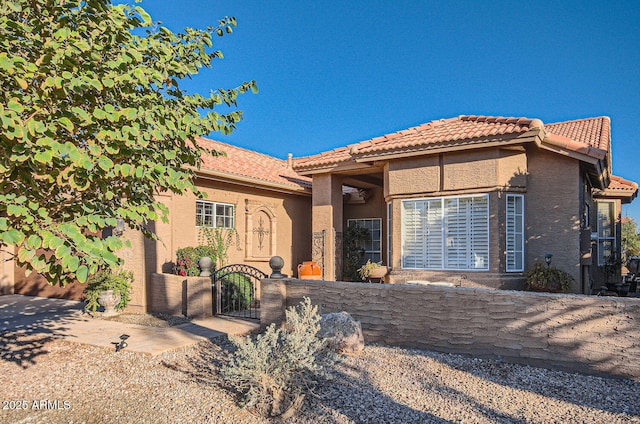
(594, 132)
(249, 164)
(587, 136)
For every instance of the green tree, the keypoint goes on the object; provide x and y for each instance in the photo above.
(630, 238)
(94, 124)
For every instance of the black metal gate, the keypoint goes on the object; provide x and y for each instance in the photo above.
(234, 291)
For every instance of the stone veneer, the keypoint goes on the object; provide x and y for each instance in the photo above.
(588, 334)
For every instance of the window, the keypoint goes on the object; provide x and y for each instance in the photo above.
(212, 214)
(446, 233)
(606, 231)
(373, 245)
(515, 233)
(389, 233)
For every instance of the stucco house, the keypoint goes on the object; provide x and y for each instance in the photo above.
(259, 196)
(475, 200)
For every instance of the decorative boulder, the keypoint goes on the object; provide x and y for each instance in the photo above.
(343, 332)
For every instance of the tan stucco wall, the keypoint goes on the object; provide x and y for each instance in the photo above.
(7, 265)
(291, 241)
(589, 334)
(176, 295)
(552, 211)
(457, 172)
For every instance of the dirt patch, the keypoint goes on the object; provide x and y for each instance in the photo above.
(150, 320)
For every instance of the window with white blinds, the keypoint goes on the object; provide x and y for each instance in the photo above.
(606, 231)
(515, 233)
(446, 233)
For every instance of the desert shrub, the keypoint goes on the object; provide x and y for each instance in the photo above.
(544, 278)
(237, 289)
(273, 371)
(188, 258)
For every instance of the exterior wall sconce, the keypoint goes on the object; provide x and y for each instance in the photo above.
(119, 228)
(547, 258)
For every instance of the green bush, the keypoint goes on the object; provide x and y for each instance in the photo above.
(544, 278)
(119, 282)
(238, 291)
(273, 372)
(188, 258)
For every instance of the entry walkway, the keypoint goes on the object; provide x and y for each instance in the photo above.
(22, 316)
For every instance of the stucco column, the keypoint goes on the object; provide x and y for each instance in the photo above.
(327, 216)
(7, 270)
(134, 261)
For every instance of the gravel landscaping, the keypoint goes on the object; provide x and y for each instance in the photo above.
(65, 382)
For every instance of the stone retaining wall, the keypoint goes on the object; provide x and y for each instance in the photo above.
(176, 295)
(588, 334)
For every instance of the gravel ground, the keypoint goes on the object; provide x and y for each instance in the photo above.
(62, 382)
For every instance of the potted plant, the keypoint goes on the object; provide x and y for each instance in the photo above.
(372, 270)
(111, 290)
(547, 278)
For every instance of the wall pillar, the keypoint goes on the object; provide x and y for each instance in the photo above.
(134, 261)
(327, 215)
(7, 270)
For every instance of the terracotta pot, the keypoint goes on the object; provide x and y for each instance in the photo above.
(379, 272)
(309, 270)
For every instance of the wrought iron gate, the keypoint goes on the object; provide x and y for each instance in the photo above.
(234, 291)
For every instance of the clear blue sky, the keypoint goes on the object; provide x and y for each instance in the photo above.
(332, 72)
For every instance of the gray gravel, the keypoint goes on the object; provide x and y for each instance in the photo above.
(382, 385)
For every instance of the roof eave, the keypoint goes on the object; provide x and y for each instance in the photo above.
(525, 137)
(213, 175)
(624, 195)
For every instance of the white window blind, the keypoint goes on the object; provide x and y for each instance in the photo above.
(446, 233)
(515, 233)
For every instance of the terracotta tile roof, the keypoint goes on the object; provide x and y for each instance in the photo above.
(594, 132)
(256, 166)
(462, 130)
(588, 136)
(619, 183)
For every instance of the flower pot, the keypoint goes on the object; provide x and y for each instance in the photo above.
(378, 272)
(309, 270)
(109, 299)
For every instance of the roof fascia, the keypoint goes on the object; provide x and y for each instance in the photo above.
(250, 182)
(526, 137)
(344, 166)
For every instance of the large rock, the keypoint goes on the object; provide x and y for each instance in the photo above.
(343, 332)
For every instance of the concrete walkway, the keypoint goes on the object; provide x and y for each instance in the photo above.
(57, 318)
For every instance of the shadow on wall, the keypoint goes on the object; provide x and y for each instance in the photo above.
(588, 334)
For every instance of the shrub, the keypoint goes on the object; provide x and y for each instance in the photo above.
(188, 258)
(119, 282)
(273, 372)
(544, 278)
(238, 291)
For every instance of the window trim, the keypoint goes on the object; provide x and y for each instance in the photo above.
(214, 216)
(613, 237)
(443, 230)
(522, 244)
